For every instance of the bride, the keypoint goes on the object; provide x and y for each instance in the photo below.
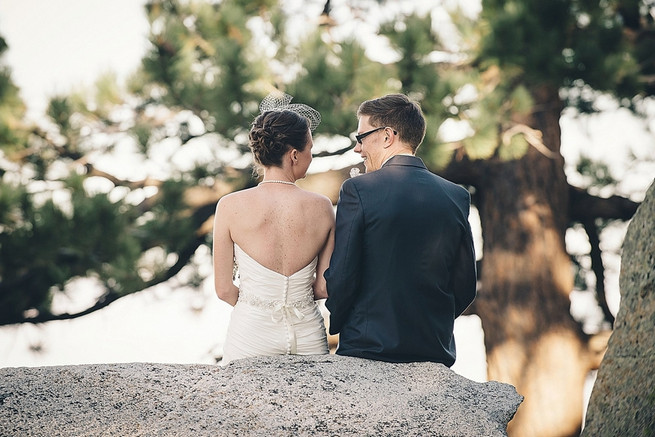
(280, 237)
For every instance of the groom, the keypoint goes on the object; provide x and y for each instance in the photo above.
(403, 266)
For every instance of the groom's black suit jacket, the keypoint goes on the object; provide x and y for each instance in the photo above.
(403, 266)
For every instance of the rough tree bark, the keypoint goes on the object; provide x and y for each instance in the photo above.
(531, 339)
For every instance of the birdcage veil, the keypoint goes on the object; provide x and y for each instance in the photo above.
(279, 101)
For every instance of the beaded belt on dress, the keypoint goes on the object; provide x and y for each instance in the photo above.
(278, 308)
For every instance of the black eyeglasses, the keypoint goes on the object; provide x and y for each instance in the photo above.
(360, 137)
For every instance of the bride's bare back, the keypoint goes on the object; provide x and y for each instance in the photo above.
(280, 226)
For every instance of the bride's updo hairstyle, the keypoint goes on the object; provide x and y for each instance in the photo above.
(274, 133)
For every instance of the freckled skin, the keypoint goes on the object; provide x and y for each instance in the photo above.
(281, 226)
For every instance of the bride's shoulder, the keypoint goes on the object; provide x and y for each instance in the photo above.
(317, 198)
(234, 199)
(319, 208)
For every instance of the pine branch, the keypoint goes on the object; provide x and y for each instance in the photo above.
(107, 298)
(111, 295)
(584, 206)
(334, 153)
(133, 185)
(598, 268)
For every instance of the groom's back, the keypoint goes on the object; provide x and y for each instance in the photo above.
(414, 226)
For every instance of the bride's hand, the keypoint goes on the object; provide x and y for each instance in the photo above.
(320, 289)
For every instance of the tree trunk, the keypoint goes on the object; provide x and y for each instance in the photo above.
(531, 339)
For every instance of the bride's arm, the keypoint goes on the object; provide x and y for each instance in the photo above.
(223, 256)
(320, 286)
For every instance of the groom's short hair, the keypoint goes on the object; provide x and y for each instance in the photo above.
(398, 112)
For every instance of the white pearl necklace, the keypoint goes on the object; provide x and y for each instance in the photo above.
(272, 181)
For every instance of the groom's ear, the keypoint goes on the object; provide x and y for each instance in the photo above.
(389, 138)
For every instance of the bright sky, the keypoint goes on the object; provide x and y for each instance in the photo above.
(57, 44)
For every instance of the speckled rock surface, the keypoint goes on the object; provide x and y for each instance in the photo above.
(623, 398)
(269, 396)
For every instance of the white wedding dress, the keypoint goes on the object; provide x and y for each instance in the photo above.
(275, 314)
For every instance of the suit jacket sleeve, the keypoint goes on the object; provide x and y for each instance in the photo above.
(464, 277)
(342, 277)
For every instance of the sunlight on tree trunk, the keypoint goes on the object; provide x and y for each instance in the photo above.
(531, 339)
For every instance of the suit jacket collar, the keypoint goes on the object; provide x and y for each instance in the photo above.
(405, 160)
